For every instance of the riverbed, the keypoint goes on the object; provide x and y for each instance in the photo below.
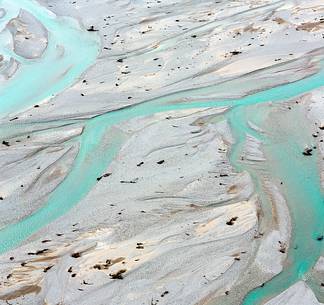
(283, 150)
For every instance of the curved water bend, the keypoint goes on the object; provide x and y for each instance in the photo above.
(302, 191)
(70, 51)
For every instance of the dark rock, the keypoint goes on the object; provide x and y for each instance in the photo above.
(47, 268)
(307, 151)
(92, 29)
(231, 221)
(118, 275)
(164, 293)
